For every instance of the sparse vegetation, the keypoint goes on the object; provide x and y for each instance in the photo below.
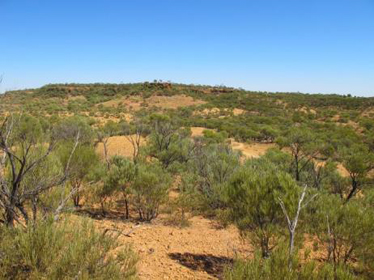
(127, 153)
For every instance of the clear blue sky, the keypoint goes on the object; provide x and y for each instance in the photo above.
(269, 45)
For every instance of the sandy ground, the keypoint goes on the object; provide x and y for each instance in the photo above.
(198, 131)
(199, 251)
(117, 145)
(252, 150)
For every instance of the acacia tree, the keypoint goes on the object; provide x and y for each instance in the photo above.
(344, 229)
(213, 166)
(168, 143)
(119, 178)
(84, 158)
(149, 189)
(252, 195)
(358, 161)
(303, 147)
(24, 152)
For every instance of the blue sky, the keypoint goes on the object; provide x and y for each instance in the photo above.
(269, 45)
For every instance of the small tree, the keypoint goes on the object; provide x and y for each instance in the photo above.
(292, 221)
(358, 161)
(252, 196)
(344, 229)
(25, 149)
(168, 143)
(120, 177)
(214, 165)
(83, 160)
(303, 146)
(188, 197)
(150, 190)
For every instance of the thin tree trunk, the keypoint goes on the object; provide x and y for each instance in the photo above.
(127, 209)
(353, 190)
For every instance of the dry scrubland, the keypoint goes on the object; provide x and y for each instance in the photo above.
(198, 180)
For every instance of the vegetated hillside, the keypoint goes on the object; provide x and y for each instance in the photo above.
(204, 182)
(244, 115)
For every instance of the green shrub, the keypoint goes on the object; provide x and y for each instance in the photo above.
(150, 190)
(276, 268)
(252, 198)
(65, 250)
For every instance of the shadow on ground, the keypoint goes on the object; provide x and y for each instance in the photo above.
(100, 215)
(212, 265)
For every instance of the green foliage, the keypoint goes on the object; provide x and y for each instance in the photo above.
(212, 137)
(80, 162)
(68, 129)
(150, 189)
(119, 179)
(344, 229)
(314, 132)
(167, 142)
(67, 250)
(252, 197)
(213, 165)
(358, 161)
(187, 200)
(276, 268)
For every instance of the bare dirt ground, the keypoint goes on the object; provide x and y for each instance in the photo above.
(252, 150)
(117, 145)
(199, 251)
(198, 131)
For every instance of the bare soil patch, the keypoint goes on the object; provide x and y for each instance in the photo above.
(198, 131)
(117, 145)
(238, 112)
(253, 150)
(200, 251)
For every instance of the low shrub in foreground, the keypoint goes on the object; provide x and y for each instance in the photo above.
(64, 250)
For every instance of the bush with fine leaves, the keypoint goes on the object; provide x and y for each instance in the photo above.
(252, 198)
(64, 250)
(150, 189)
(276, 267)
